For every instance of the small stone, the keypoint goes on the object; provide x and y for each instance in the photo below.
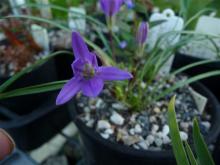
(119, 106)
(103, 124)
(206, 124)
(87, 117)
(109, 131)
(143, 85)
(166, 140)
(152, 119)
(154, 128)
(99, 102)
(184, 125)
(183, 136)
(133, 118)
(105, 136)
(136, 146)
(120, 134)
(137, 128)
(144, 145)
(158, 142)
(150, 139)
(80, 105)
(131, 131)
(93, 107)
(165, 130)
(117, 119)
(90, 123)
(157, 110)
(130, 140)
(86, 110)
(159, 134)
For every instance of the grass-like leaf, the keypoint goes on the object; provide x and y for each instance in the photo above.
(41, 88)
(190, 155)
(177, 144)
(201, 149)
(186, 82)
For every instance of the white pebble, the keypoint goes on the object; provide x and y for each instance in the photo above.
(90, 123)
(165, 130)
(117, 119)
(137, 128)
(166, 140)
(154, 128)
(184, 125)
(183, 136)
(109, 131)
(105, 136)
(99, 102)
(143, 85)
(86, 109)
(158, 142)
(119, 106)
(152, 119)
(206, 124)
(103, 124)
(144, 145)
(157, 110)
(131, 131)
(150, 139)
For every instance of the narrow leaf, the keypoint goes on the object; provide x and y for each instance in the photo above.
(201, 148)
(190, 154)
(177, 144)
(41, 88)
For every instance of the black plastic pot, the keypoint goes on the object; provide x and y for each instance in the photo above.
(24, 104)
(32, 129)
(99, 151)
(63, 65)
(212, 82)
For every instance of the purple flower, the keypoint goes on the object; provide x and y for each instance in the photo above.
(123, 44)
(111, 7)
(88, 76)
(142, 32)
(129, 3)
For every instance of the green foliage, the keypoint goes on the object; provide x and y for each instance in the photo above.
(202, 152)
(184, 155)
(177, 144)
(145, 68)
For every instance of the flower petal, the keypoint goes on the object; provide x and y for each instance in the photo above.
(92, 87)
(111, 7)
(142, 32)
(77, 66)
(80, 48)
(69, 90)
(94, 60)
(113, 73)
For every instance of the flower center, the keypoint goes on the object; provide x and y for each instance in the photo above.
(88, 71)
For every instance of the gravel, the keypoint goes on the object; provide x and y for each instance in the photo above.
(147, 129)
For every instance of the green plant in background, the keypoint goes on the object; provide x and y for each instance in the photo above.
(182, 150)
(145, 69)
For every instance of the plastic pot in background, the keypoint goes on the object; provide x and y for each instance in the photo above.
(99, 151)
(63, 65)
(24, 104)
(33, 129)
(212, 83)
